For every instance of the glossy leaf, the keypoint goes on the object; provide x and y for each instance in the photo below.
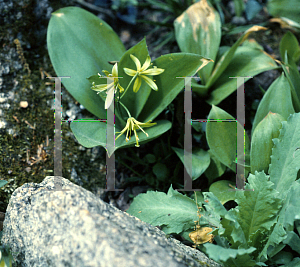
(200, 161)
(169, 86)
(93, 133)
(277, 99)
(221, 137)
(243, 64)
(198, 30)
(80, 45)
(215, 168)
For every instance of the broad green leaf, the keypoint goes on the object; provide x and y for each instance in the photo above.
(134, 101)
(93, 133)
(174, 210)
(228, 55)
(293, 240)
(283, 257)
(286, 157)
(200, 161)
(261, 142)
(284, 8)
(215, 168)
(222, 191)
(171, 81)
(198, 30)
(80, 45)
(277, 99)
(226, 256)
(243, 64)
(290, 45)
(221, 132)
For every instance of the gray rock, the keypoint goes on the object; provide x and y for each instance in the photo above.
(75, 228)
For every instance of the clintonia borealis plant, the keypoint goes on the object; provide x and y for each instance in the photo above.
(81, 45)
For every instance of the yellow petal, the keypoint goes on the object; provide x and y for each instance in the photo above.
(115, 70)
(129, 72)
(100, 87)
(120, 88)
(146, 64)
(106, 72)
(137, 84)
(123, 131)
(154, 71)
(137, 62)
(149, 82)
(110, 97)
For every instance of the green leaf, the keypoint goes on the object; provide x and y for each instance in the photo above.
(200, 161)
(243, 64)
(198, 30)
(161, 171)
(93, 133)
(221, 137)
(80, 45)
(222, 191)
(174, 210)
(257, 210)
(170, 82)
(285, 158)
(284, 8)
(290, 45)
(261, 143)
(3, 183)
(277, 99)
(215, 168)
(285, 220)
(222, 255)
(238, 7)
(293, 240)
(228, 55)
(134, 101)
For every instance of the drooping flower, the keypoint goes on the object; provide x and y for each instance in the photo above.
(110, 87)
(141, 73)
(133, 125)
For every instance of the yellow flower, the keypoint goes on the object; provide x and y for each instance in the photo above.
(133, 125)
(110, 87)
(141, 72)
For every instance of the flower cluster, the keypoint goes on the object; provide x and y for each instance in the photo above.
(112, 84)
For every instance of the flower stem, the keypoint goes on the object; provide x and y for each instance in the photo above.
(128, 85)
(125, 109)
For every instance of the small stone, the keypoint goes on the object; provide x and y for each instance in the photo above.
(23, 104)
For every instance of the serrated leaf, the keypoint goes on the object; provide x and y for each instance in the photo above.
(285, 156)
(223, 255)
(257, 210)
(173, 210)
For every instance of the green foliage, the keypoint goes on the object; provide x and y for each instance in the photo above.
(198, 30)
(89, 43)
(262, 223)
(284, 8)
